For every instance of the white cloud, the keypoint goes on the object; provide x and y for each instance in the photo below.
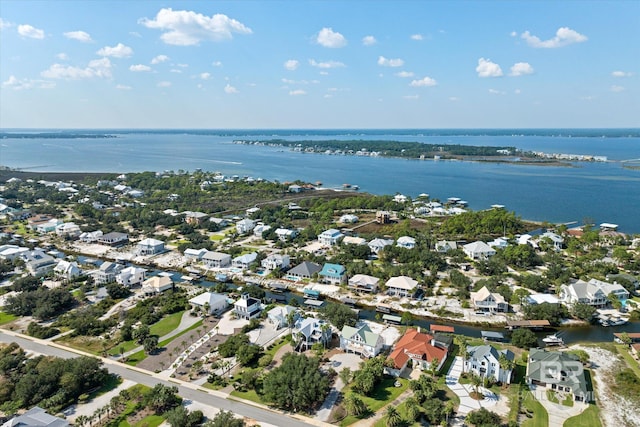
(158, 59)
(230, 89)
(517, 91)
(299, 82)
(123, 87)
(496, 92)
(521, 69)
(205, 76)
(329, 38)
(616, 88)
(21, 84)
(587, 98)
(117, 51)
(486, 68)
(175, 70)
(386, 62)
(369, 40)
(326, 64)
(81, 36)
(62, 56)
(183, 65)
(621, 74)
(5, 24)
(135, 34)
(323, 73)
(164, 84)
(417, 37)
(454, 98)
(188, 28)
(217, 63)
(423, 82)
(139, 68)
(26, 30)
(98, 68)
(291, 64)
(411, 96)
(513, 34)
(564, 37)
(297, 92)
(404, 74)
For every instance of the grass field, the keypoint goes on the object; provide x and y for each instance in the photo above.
(589, 418)
(384, 393)
(6, 318)
(540, 417)
(160, 328)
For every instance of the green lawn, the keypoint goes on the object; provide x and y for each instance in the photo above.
(552, 397)
(189, 329)
(623, 350)
(248, 395)
(589, 418)
(167, 324)
(6, 318)
(281, 343)
(540, 417)
(384, 393)
(403, 412)
(216, 237)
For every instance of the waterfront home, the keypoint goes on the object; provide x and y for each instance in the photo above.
(619, 277)
(285, 234)
(90, 236)
(478, 250)
(195, 254)
(406, 242)
(48, 226)
(333, 273)
(484, 361)
(535, 299)
(348, 219)
(558, 371)
(194, 218)
(38, 263)
(150, 247)
(67, 270)
(594, 292)
(552, 239)
(245, 226)
(383, 217)
(363, 283)
(131, 276)
(11, 252)
(279, 316)
(487, 301)
(361, 340)
(499, 242)
(107, 272)
(352, 240)
(294, 188)
(304, 270)
(36, 417)
(402, 286)
(216, 260)
(157, 285)
(400, 198)
(220, 222)
(275, 262)
(330, 237)
(307, 332)
(260, 228)
(417, 347)
(210, 302)
(444, 246)
(69, 230)
(376, 245)
(247, 307)
(114, 239)
(244, 261)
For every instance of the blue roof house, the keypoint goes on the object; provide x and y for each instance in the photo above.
(333, 273)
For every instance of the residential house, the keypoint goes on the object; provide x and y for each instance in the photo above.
(555, 240)
(69, 230)
(279, 316)
(11, 252)
(361, 340)
(247, 307)
(352, 240)
(90, 236)
(150, 247)
(211, 302)
(304, 270)
(417, 347)
(620, 277)
(487, 301)
(36, 417)
(383, 217)
(309, 331)
(244, 261)
(245, 226)
(348, 219)
(363, 283)
(406, 242)
(484, 361)
(478, 250)
(330, 237)
(444, 246)
(194, 218)
(333, 273)
(402, 286)
(285, 234)
(276, 262)
(294, 188)
(157, 285)
(38, 263)
(499, 242)
(107, 272)
(260, 228)
(195, 254)
(594, 292)
(67, 270)
(251, 211)
(114, 239)
(220, 222)
(558, 371)
(376, 245)
(131, 276)
(216, 260)
(48, 226)
(400, 198)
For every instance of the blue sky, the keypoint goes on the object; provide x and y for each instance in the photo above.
(319, 64)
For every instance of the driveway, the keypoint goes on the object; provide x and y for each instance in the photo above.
(87, 409)
(558, 414)
(467, 404)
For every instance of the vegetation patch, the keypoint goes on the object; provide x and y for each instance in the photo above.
(590, 417)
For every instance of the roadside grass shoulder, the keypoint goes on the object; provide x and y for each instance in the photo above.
(6, 318)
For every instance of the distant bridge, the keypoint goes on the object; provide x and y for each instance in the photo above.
(630, 161)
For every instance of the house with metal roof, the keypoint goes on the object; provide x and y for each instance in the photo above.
(131, 276)
(333, 273)
(594, 292)
(330, 237)
(214, 303)
(244, 261)
(363, 283)
(216, 260)
(489, 301)
(376, 245)
(305, 270)
(361, 340)
(484, 361)
(478, 250)
(402, 286)
(150, 247)
(406, 242)
(558, 371)
(245, 226)
(36, 417)
(306, 332)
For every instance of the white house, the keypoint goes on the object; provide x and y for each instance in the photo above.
(247, 307)
(131, 276)
(489, 301)
(361, 340)
(484, 361)
(260, 228)
(68, 229)
(406, 242)
(90, 236)
(114, 239)
(400, 198)
(216, 260)
(150, 247)
(276, 262)
(376, 245)
(556, 240)
(157, 285)
(330, 237)
(402, 286)
(348, 219)
(363, 283)
(67, 270)
(353, 240)
(36, 417)
(38, 263)
(279, 316)
(244, 261)
(10, 252)
(215, 303)
(245, 226)
(444, 246)
(499, 242)
(309, 331)
(594, 292)
(285, 234)
(478, 250)
(195, 254)
(107, 272)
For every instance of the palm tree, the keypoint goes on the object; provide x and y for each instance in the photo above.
(476, 382)
(463, 352)
(81, 420)
(392, 417)
(448, 410)
(413, 408)
(433, 367)
(325, 327)
(506, 365)
(354, 405)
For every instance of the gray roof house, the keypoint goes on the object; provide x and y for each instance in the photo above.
(361, 340)
(484, 361)
(216, 260)
(309, 331)
(107, 272)
(150, 247)
(38, 263)
(305, 270)
(36, 417)
(558, 371)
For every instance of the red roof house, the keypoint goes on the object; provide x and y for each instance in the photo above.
(419, 348)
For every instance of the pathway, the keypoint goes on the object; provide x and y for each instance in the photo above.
(467, 404)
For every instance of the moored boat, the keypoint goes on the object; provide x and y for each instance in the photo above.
(553, 339)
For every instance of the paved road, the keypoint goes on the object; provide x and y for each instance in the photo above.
(186, 390)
